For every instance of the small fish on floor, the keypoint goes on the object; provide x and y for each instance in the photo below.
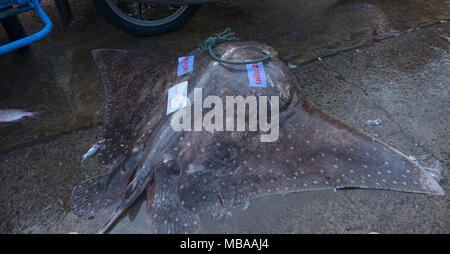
(15, 115)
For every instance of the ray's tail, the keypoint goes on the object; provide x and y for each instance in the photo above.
(133, 191)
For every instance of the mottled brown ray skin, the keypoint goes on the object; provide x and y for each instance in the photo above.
(185, 173)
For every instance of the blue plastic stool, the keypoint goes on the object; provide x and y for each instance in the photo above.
(13, 7)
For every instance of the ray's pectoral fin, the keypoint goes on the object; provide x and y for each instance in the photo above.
(314, 152)
(166, 213)
(337, 155)
(131, 86)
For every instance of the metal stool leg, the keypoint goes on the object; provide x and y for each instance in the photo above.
(65, 11)
(13, 28)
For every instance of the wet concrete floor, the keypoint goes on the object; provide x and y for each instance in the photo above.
(362, 74)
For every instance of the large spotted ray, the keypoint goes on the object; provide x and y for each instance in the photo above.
(188, 172)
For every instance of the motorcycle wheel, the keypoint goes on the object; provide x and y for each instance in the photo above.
(141, 19)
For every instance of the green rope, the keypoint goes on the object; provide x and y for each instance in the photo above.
(225, 36)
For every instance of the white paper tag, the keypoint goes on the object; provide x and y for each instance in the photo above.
(177, 97)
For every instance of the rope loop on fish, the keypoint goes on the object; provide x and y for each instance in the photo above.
(222, 37)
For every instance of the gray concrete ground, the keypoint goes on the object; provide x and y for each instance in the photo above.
(404, 81)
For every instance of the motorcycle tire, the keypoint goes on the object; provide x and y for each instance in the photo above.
(137, 27)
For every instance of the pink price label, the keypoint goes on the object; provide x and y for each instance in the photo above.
(185, 65)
